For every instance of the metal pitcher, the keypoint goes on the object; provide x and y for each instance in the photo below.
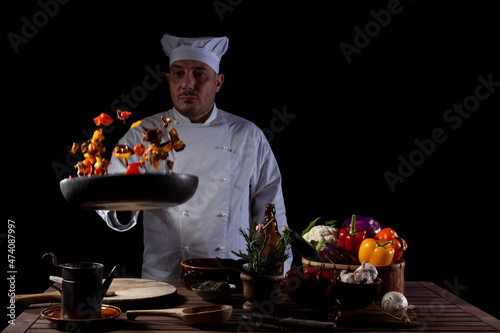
(82, 289)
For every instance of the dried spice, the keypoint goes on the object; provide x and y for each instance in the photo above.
(213, 286)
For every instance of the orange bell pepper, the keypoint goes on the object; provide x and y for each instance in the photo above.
(376, 252)
(400, 245)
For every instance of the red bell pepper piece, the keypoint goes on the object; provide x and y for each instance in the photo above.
(139, 149)
(122, 115)
(103, 119)
(350, 238)
(133, 169)
(400, 245)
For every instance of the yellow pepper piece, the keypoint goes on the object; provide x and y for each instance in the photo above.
(137, 123)
(122, 151)
(98, 135)
(122, 155)
(375, 252)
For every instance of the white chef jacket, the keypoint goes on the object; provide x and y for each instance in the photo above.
(238, 175)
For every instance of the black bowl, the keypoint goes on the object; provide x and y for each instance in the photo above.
(357, 296)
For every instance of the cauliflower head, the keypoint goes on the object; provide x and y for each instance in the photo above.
(321, 233)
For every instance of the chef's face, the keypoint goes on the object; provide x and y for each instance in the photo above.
(193, 85)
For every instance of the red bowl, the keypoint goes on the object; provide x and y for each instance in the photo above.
(206, 269)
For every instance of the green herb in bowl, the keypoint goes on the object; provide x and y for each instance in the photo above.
(212, 290)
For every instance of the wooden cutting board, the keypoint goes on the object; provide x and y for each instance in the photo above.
(139, 293)
(128, 293)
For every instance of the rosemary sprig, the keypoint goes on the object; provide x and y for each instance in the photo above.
(261, 263)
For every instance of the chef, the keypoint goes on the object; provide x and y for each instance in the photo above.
(238, 173)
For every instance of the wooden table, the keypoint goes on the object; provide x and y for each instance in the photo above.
(436, 309)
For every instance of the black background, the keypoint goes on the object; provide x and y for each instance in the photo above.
(347, 125)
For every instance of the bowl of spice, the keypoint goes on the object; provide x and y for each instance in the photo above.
(212, 290)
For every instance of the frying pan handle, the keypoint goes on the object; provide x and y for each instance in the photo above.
(55, 264)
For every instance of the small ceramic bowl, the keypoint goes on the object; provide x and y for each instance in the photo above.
(206, 269)
(212, 295)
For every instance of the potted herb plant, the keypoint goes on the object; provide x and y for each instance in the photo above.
(263, 274)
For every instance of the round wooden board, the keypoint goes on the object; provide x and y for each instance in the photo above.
(133, 291)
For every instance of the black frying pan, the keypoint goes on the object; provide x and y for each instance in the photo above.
(133, 192)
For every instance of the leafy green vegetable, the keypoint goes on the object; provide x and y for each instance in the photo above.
(313, 224)
(310, 226)
(320, 245)
(331, 223)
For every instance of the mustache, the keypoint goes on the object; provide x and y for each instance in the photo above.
(187, 93)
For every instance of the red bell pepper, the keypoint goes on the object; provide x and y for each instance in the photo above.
(400, 245)
(350, 238)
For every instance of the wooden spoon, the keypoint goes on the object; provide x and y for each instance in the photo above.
(48, 297)
(195, 315)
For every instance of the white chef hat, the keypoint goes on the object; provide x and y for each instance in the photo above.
(208, 50)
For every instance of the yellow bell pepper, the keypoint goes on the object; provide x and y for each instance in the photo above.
(375, 252)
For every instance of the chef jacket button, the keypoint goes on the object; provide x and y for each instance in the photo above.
(223, 179)
(184, 213)
(219, 248)
(222, 214)
(185, 248)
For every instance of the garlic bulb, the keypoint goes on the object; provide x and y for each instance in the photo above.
(346, 277)
(366, 273)
(395, 304)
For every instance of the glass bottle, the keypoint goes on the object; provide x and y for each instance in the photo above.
(270, 226)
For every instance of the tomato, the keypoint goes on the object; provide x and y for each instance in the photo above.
(326, 278)
(310, 287)
(293, 273)
(311, 276)
(293, 279)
